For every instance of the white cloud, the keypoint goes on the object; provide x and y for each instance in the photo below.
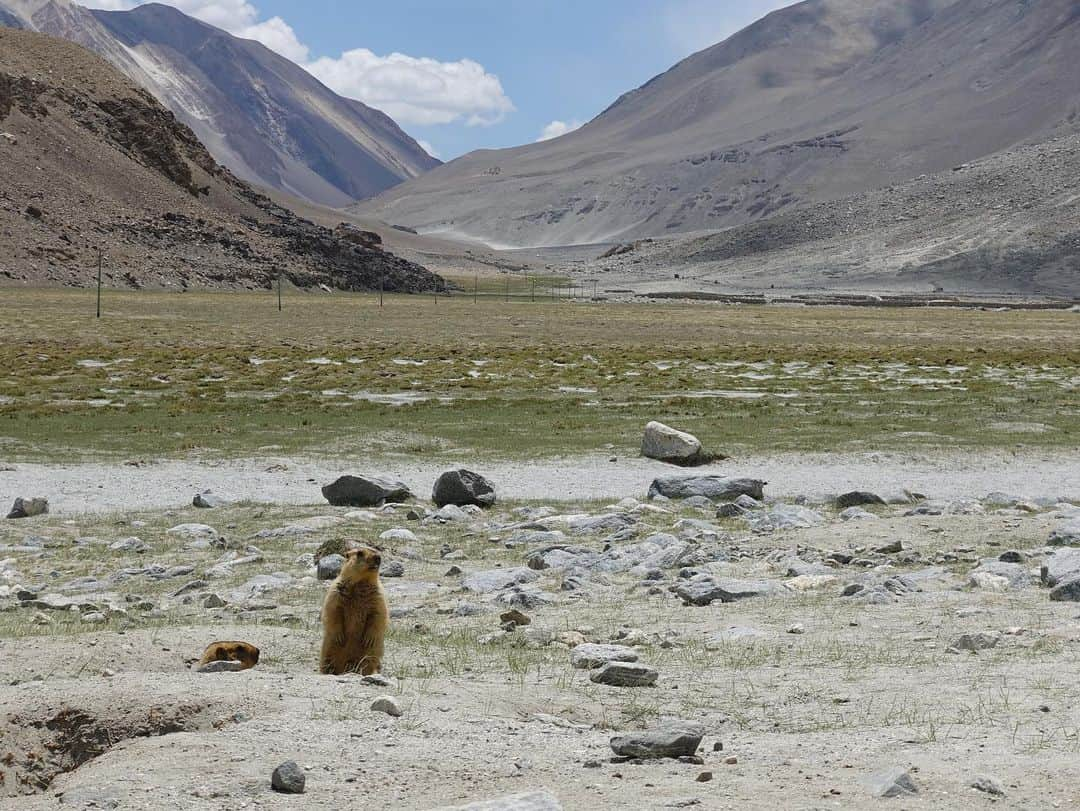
(558, 128)
(427, 147)
(411, 90)
(415, 90)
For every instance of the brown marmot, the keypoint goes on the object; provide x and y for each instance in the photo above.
(242, 652)
(355, 617)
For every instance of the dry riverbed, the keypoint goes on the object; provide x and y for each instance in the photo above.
(947, 661)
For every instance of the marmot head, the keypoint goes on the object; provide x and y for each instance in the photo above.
(361, 563)
(243, 652)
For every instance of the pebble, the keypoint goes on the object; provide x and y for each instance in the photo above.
(288, 778)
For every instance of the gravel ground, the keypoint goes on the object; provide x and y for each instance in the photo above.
(88, 488)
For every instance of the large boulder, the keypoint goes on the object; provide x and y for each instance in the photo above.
(1060, 567)
(462, 487)
(672, 445)
(715, 488)
(365, 491)
(29, 507)
(1067, 534)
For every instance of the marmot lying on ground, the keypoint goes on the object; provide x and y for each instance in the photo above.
(355, 617)
(242, 652)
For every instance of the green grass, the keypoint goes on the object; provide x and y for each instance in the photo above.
(167, 374)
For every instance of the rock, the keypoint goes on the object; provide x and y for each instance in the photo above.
(785, 517)
(213, 601)
(498, 579)
(520, 597)
(715, 488)
(399, 534)
(93, 618)
(704, 589)
(976, 642)
(221, 667)
(988, 785)
(729, 510)
(892, 548)
(673, 446)
(388, 705)
(28, 508)
(1063, 565)
(393, 568)
(288, 778)
(197, 531)
(1014, 575)
(329, 567)
(590, 656)
(1067, 592)
(208, 501)
(461, 487)
(894, 782)
(532, 801)
(668, 739)
(625, 674)
(1065, 535)
(365, 491)
(450, 514)
(858, 498)
(857, 514)
(135, 545)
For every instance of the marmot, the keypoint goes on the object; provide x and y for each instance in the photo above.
(355, 617)
(242, 652)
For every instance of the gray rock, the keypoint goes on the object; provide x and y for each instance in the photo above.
(365, 491)
(28, 508)
(1061, 566)
(208, 501)
(388, 705)
(608, 522)
(785, 517)
(399, 534)
(704, 589)
(858, 498)
(670, 445)
(729, 510)
(988, 785)
(393, 568)
(498, 579)
(329, 567)
(213, 601)
(135, 545)
(288, 778)
(221, 667)
(1015, 575)
(698, 503)
(976, 642)
(531, 801)
(893, 782)
(522, 597)
(892, 548)
(461, 487)
(625, 674)
(857, 514)
(669, 739)
(715, 488)
(533, 537)
(590, 656)
(1067, 592)
(198, 531)
(449, 514)
(1066, 535)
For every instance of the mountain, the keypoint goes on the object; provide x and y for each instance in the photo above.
(90, 161)
(265, 118)
(815, 102)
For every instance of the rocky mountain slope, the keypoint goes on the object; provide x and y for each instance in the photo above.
(90, 161)
(818, 101)
(263, 117)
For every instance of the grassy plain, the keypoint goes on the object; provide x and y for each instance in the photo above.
(218, 374)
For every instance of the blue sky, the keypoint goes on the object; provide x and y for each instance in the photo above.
(468, 74)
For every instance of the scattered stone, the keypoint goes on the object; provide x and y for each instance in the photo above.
(388, 705)
(392, 569)
(715, 488)
(135, 545)
(288, 778)
(625, 674)
(976, 642)
(704, 777)
(796, 628)
(208, 501)
(221, 667)
(670, 445)
(894, 782)
(668, 739)
(28, 508)
(859, 498)
(462, 487)
(365, 491)
(329, 567)
(591, 656)
(988, 785)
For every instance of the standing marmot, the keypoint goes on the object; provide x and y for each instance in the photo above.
(355, 617)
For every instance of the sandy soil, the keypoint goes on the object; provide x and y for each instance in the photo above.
(73, 489)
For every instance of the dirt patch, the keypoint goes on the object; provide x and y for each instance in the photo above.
(39, 746)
